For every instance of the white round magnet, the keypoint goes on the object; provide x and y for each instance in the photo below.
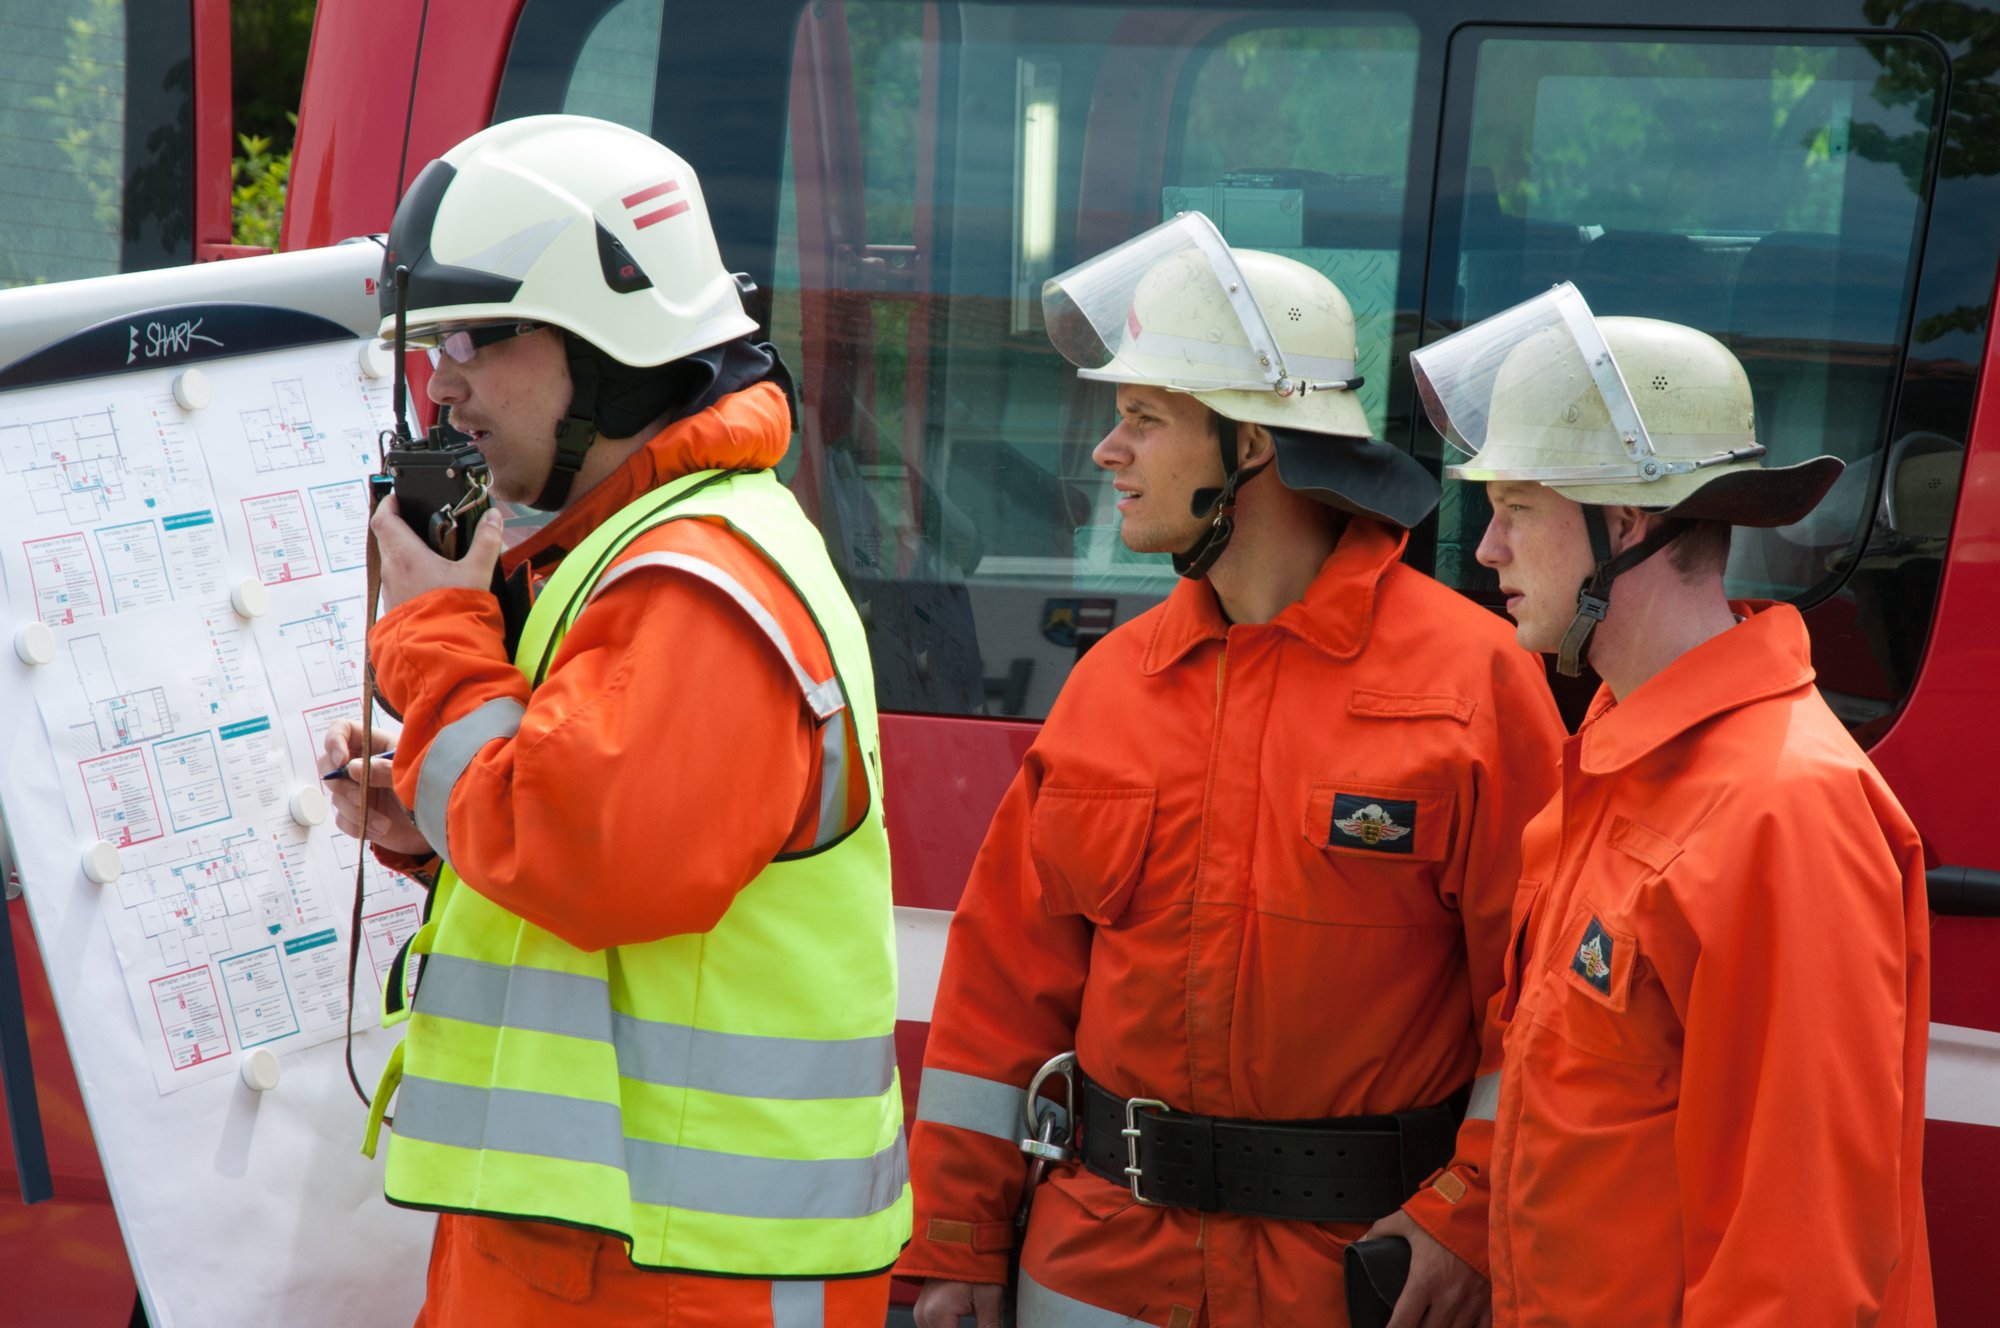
(101, 862)
(35, 643)
(308, 806)
(260, 1069)
(250, 598)
(191, 389)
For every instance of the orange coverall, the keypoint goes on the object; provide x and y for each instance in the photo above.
(1716, 1016)
(669, 731)
(1162, 890)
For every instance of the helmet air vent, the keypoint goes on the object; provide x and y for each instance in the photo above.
(622, 272)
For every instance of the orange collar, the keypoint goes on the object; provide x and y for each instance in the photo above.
(1767, 654)
(1335, 614)
(746, 430)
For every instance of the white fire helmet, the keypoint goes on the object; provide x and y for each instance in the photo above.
(570, 221)
(1258, 338)
(1610, 412)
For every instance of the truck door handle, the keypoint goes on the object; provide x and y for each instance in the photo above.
(1964, 892)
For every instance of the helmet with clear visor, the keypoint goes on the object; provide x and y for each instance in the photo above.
(1257, 338)
(1608, 412)
(1611, 412)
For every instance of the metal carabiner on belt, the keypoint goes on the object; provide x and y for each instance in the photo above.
(1048, 1136)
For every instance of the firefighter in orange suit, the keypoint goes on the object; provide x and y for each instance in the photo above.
(1257, 866)
(1716, 1009)
(660, 795)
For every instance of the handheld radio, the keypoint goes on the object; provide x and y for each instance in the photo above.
(441, 482)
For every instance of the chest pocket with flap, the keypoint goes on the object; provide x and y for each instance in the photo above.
(1089, 848)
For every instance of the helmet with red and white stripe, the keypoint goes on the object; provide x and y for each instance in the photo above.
(561, 219)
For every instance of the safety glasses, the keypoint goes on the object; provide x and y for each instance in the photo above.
(460, 344)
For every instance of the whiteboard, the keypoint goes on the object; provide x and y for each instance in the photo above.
(182, 520)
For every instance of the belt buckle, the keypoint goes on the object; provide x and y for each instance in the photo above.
(1131, 1133)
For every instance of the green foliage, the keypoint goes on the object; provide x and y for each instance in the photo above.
(257, 194)
(268, 40)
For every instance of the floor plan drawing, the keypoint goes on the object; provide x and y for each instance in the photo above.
(118, 718)
(282, 435)
(327, 645)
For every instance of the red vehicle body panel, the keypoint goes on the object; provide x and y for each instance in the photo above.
(943, 776)
(352, 110)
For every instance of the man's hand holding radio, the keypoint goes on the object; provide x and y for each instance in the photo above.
(410, 567)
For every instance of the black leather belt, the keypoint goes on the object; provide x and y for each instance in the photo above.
(1349, 1169)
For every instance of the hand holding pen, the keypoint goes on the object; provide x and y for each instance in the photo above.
(390, 825)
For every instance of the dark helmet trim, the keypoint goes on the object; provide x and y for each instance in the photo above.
(433, 285)
(1357, 475)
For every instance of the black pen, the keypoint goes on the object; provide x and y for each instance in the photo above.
(340, 772)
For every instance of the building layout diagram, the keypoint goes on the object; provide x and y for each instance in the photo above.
(282, 435)
(185, 720)
(326, 646)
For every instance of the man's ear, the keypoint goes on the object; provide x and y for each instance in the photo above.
(1627, 526)
(1254, 446)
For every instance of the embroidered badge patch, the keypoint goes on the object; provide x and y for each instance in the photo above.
(1593, 958)
(1382, 824)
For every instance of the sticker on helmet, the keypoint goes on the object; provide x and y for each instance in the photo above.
(1382, 824)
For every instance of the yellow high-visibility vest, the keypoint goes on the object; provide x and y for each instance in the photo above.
(727, 1102)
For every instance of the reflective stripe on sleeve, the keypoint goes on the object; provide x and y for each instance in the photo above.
(664, 1175)
(825, 698)
(832, 784)
(449, 755)
(655, 1051)
(798, 1304)
(1040, 1307)
(984, 1106)
(1485, 1101)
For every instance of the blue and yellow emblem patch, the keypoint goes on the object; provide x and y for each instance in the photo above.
(1382, 824)
(1593, 958)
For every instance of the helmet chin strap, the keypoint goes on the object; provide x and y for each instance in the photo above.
(578, 428)
(1593, 597)
(1215, 506)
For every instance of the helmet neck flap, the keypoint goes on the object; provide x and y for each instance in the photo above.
(616, 400)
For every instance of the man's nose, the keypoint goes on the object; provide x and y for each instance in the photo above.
(1111, 451)
(1492, 550)
(447, 384)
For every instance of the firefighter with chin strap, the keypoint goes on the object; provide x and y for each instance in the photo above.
(1256, 870)
(655, 818)
(1709, 1104)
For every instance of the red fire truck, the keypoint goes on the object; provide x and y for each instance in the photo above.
(1815, 182)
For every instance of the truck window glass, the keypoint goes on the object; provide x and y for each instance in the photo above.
(1770, 192)
(947, 447)
(62, 140)
(616, 70)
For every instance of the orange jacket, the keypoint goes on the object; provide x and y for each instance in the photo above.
(1716, 1016)
(666, 716)
(662, 706)
(1162, 889)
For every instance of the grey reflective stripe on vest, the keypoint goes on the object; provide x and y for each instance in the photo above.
(510, 1120)
(1485, 1101)
(985, 1106)
(1040, 1307)
(798, 1305)
(825, 698)
(832, 783)
(650, 1050)
(451, 751)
